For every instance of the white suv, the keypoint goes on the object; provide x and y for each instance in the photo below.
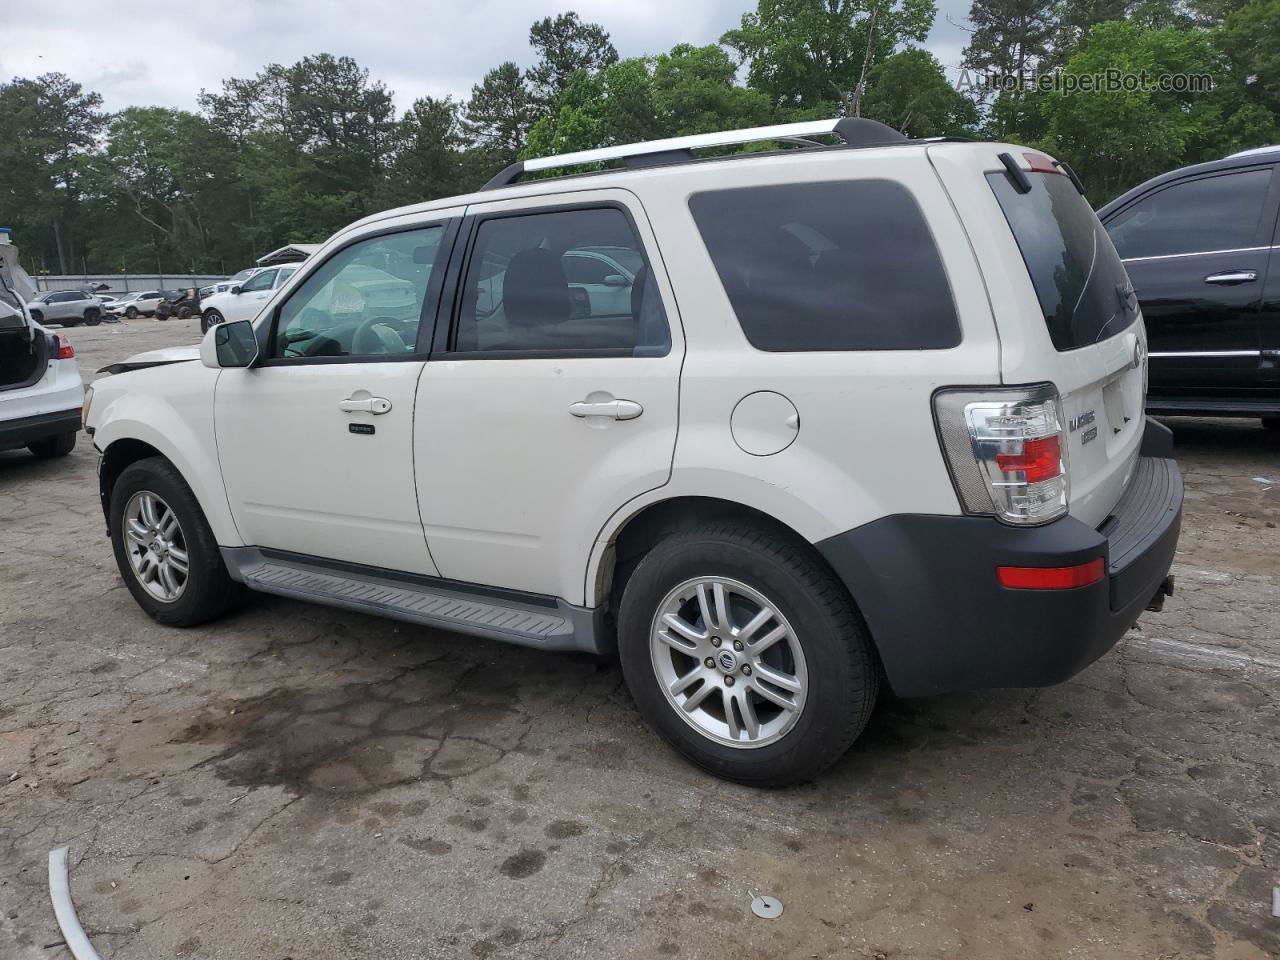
(870, 413)
(242, 301)
(40, 388)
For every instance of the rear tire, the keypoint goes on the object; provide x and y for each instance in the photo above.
(825, 650)
(207, 591)
(55, 446)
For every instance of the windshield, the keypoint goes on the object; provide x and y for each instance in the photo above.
(1080, 282)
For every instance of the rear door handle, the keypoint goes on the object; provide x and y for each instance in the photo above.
(614, 409)
(366, 405)
(1230, 277)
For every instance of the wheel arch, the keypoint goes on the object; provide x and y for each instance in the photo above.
(135, 427)
(115, 459)
(635, 534)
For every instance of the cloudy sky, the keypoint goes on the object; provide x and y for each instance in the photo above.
(152, 52)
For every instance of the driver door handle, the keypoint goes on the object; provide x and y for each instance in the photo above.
(1232, 276)
(614, 409)
(367, 405)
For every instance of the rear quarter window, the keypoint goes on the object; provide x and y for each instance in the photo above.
(1084, 293)
(841, 265)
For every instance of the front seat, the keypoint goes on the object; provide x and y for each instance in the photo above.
(535, 299)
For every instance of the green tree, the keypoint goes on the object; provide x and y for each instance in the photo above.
(565, 45)
(428, 160)
(1250, 39)
(167, 168)
(1116, 139)
(910, 92)
(49, 128)
(803, 53)
(500, 112)
(695, 90)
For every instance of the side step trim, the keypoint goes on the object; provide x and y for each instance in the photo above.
(546, 623)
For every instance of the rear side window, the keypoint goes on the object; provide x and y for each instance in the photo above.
(1084, 293)
(845, 265)
(562, 283)
(1194, 216)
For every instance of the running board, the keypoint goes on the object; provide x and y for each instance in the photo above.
(531, 621)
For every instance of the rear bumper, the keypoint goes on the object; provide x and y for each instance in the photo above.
(18, 433)
(927, 587)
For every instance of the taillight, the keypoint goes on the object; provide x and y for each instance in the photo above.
(1007, 451)
(65, 350)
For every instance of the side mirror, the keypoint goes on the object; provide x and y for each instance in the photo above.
(229, 345)
(616, 280)
(236, 290)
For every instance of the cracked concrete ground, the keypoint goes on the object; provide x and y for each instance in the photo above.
(298, 782)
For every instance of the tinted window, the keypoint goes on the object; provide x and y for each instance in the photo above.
(1080, 282)
(528, 288)
(284, 274)
(259, 281)
(364, 301)
(1195, 216)
(848, 265)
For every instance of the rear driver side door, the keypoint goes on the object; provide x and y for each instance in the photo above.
(543, 411)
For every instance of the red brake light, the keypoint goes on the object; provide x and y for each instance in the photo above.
(1051, 578)
(65, 350)
(1040, 459)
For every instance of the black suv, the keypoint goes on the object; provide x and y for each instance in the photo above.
(1197, 243)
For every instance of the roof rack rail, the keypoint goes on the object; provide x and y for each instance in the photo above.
(854, 131)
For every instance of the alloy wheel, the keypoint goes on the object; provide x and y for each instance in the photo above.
(156, 546)
(728, 662)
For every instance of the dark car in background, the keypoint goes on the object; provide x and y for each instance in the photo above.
(1199, 245)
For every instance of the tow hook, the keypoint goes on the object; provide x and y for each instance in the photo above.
(1156, 603)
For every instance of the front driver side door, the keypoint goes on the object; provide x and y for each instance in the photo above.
(316, 440)
(253, 296)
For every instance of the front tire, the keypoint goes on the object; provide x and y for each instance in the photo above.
(55, 446)
(92, 317)
(164, 548)
(131, 313)
(210, 318)
(793, 678)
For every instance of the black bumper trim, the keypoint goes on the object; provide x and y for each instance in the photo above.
(17, 433)
(926, 586)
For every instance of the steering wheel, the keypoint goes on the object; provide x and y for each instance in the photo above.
(376, 337)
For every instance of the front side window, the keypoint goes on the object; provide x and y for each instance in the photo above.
(539, 283)
(259, 281)
(1194, 216)
(364, 301)
(846, 265)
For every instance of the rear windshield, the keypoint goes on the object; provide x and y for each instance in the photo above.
(1084, 292)
(846, 265)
